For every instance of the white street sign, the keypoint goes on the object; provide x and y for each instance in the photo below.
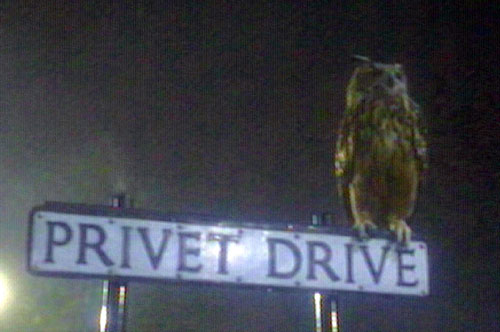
(76, 245)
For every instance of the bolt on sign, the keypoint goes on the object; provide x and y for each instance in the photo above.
(82, 241)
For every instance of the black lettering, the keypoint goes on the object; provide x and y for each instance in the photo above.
(184, 251)
(401, 267)
(51, 241)
(297, 259)
(350, 279)
(313, 260)
(154, 258)
(223, 240)
(126, 247)
(97, 247)
(376, 273)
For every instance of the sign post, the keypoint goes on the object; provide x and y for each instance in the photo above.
(325, 305)
(113, 310)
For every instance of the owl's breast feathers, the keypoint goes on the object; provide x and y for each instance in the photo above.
(382, 133)
(384, 126)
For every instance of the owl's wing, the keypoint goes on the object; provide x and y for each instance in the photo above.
(344, 153)
(419, 143)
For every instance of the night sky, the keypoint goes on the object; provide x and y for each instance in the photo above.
(231, 108)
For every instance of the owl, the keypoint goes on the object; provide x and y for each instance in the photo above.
(381, 154)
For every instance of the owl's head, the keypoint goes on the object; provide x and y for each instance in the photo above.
(377, 79)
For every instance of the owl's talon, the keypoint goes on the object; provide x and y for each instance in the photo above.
(402, 231)
(361, 231)
(371, 225)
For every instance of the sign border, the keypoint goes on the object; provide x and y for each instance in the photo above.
(194, 219)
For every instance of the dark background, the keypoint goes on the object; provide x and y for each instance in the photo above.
(231, 108)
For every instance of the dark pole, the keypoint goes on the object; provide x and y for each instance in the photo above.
(113, 311)
(325, 313)
(329, 313)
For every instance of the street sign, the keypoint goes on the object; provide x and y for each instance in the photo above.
(69, 242)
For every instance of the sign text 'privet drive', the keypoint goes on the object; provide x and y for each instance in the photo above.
(63, 244)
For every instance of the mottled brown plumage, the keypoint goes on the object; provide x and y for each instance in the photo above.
(380, 153)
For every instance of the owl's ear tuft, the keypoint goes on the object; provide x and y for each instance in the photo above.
(361, 58)
(365, 60)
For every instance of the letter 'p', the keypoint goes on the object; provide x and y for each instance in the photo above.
(52, 241)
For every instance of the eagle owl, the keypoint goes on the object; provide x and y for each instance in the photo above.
(380, 153)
